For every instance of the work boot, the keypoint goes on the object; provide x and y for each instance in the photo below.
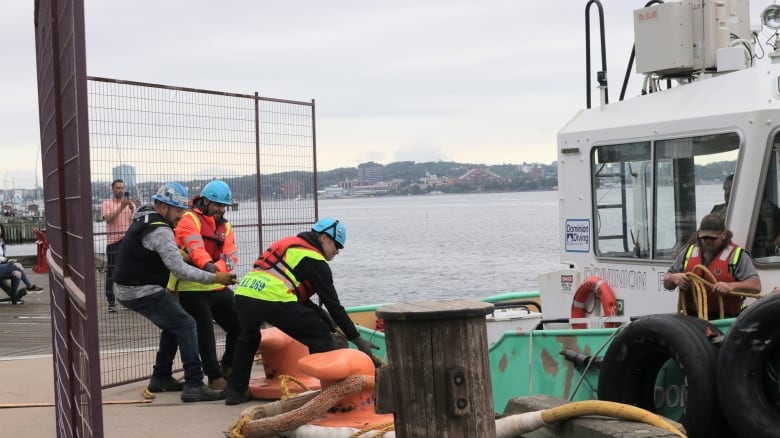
(157, 384)
(218, 384)
(200, 393)
(236, 397)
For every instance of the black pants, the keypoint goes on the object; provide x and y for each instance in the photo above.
(111, 254)
(206, 307)
(296, 320)
(177, 332)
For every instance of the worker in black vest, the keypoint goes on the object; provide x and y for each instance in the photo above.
(147, 256)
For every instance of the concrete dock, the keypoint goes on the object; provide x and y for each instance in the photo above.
(27, 377)
(27, 392)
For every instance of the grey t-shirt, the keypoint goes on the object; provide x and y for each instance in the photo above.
(742, 271)
(161, 241)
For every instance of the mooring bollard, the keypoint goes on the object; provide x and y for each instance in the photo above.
(438, 368)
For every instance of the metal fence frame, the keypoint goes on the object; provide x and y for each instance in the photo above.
(92, 349)
(62, 103)
(138, 130)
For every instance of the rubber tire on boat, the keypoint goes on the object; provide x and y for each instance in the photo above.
(634, 359)
(751, 399)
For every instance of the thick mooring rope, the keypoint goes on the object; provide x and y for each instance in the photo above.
(313, 409)
(698, 292)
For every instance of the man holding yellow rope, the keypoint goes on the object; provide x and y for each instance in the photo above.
(729, 264)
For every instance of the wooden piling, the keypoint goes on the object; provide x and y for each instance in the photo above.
(438, 367)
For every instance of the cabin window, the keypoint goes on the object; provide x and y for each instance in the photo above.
(648, 198)
(621, 181)
(766, 239)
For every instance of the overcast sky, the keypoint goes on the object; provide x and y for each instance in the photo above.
(469, 81)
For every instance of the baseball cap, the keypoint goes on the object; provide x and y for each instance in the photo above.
(711, 226)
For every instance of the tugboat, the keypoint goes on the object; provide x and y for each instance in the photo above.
(636, 177)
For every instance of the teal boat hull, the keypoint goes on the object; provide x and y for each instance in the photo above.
(532, 363)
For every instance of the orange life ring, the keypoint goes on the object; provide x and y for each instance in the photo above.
(593, 285)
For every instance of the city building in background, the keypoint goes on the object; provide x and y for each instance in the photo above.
(370, 173)
(127, 174)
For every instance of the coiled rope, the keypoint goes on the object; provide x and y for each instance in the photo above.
(381, 429)
(315, 408)
(698, 291)
(284, 385)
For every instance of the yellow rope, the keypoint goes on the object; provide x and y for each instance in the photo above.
(381, 429)
(284, 387)
(698, 292)
(611, 409)
(235, 431)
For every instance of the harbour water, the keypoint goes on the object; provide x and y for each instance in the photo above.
(435, 246)
(444, 246)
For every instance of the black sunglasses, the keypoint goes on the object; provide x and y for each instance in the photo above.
(707, 238)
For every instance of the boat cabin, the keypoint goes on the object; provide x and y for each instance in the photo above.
(636, 176)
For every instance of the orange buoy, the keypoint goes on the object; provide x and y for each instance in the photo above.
(590, 286)
(280, 354)
(355, 410)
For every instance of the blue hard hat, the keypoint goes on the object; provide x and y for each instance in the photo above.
(217, 191)
(332, 228)
(174, 194)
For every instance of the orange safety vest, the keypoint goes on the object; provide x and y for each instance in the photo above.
(722, 267)
(218, 245)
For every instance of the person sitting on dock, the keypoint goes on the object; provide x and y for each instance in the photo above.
(731, 265)
(209, 241)
(147, 256)
(277, 292)
(12, 270)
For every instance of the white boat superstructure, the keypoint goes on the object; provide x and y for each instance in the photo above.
(647, 169)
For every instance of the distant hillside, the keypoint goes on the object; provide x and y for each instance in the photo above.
(408, 177)
(411, 172)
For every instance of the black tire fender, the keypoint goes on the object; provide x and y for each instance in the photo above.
(747, 369)
(643, 350)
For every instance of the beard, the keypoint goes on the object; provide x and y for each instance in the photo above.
(708, 254)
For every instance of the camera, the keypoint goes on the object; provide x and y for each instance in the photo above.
(127, 194)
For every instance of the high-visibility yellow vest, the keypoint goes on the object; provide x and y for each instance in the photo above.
(277, 283)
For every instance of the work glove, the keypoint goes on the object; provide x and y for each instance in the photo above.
(364, 346)
(185, 256)
(226, 278)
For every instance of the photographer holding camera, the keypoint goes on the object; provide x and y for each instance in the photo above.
(117, 212)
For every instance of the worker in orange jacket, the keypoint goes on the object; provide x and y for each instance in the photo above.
(207, 242)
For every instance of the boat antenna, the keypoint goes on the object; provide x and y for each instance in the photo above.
(601, 76)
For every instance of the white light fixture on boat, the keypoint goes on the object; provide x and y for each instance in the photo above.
(771, 17)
